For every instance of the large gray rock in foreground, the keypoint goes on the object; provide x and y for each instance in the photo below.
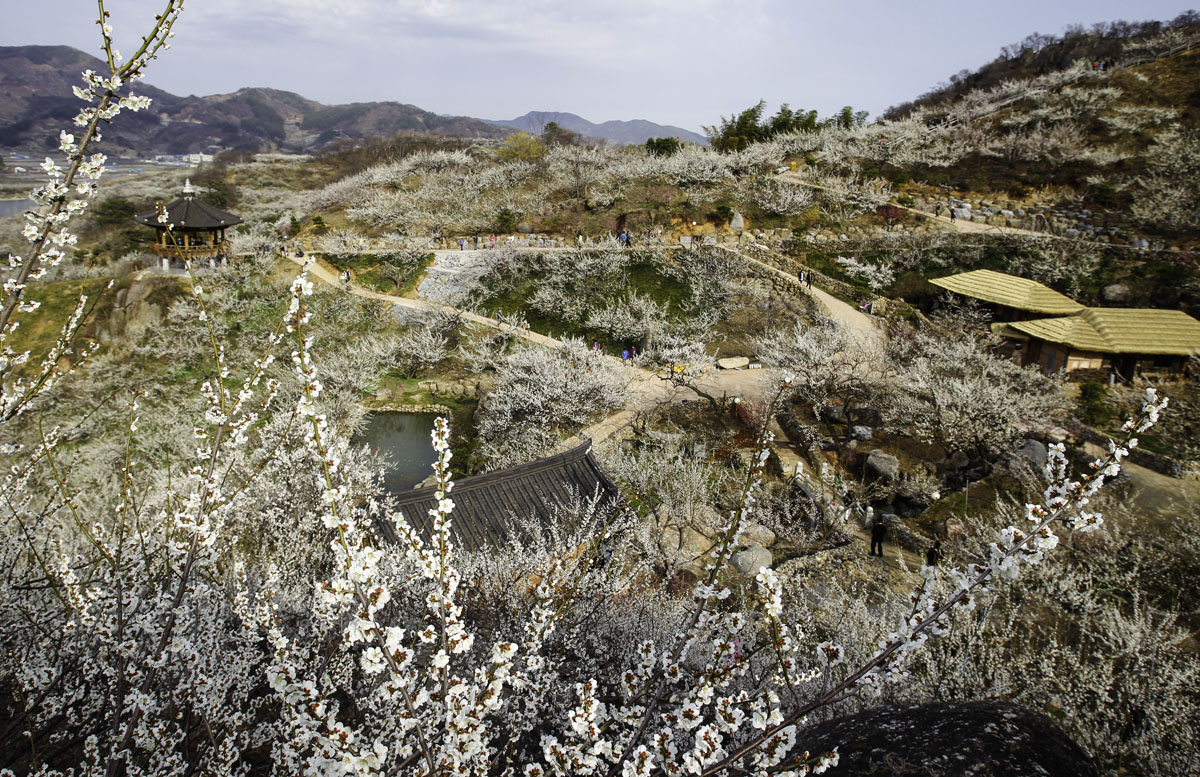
(948, 739)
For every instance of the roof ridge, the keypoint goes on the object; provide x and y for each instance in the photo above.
(582, 451)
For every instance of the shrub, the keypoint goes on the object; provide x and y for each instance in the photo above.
(506, 220)
(521, 147)
(114, 210)
(1093, 405)
(663, 146)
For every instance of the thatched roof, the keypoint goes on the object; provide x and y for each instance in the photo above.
(1120, 330)
(484, 505)
(1008, 290)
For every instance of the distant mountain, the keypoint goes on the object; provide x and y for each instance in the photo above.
(623, 132)
(36, 82)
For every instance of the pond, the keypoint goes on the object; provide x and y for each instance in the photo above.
(402, 441)
(14, 207)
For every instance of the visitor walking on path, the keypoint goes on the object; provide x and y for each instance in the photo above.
(878, 532)
(499, 318)
(808, 279)
(953, 215)
(624, 357)
(462, 244)
(934, 554)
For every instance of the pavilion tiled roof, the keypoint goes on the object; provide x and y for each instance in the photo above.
(1120, 330)
(484, 505)
(1008, 290)
(187, 213)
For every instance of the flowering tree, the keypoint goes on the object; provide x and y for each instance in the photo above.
(957, 395)
(539, 394)
(233, 609)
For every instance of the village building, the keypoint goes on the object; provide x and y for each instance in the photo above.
(1009, 297)
(197, 230)
(486, 505)
(1122, 341)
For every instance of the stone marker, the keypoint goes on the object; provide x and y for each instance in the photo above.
(734, 363)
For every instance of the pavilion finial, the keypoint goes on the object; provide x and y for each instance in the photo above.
(187, 186)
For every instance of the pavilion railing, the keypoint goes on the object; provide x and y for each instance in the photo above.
(192, 252)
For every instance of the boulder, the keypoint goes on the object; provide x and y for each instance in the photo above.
(1057, 435)
(951, 529)
(946, 739)
(957, 461)
(757, 534)
(833, 414)
(861, 432)
(1034, 451)
(883, 465)
(1117, 292)
(685, 240)
(865, 414)
(525, 228)
(734, 363)
(751, 560)
(683, 543)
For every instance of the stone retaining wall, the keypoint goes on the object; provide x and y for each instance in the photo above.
(1163, 465)
(398, 408)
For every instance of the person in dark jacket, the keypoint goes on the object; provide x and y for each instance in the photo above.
(878, 532)
(934, 554)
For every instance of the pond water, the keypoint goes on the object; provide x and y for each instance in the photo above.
(402, 441)
(14, 207)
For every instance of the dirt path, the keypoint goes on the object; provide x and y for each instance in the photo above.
(860, 324)
(646, 390)
(1157, 497)
(330, 276)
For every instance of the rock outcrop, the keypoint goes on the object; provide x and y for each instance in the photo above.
(947, 739)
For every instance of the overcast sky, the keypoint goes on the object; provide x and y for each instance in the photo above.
(682, 62)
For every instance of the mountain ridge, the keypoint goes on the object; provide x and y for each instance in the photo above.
(37, 81)
(634, 131)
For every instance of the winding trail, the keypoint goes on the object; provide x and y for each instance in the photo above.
(863, 327)
(646, 388)
(324, 272)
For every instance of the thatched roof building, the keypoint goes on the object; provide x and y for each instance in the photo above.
(1126, 340)
(485, 505)
(1010, 297)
